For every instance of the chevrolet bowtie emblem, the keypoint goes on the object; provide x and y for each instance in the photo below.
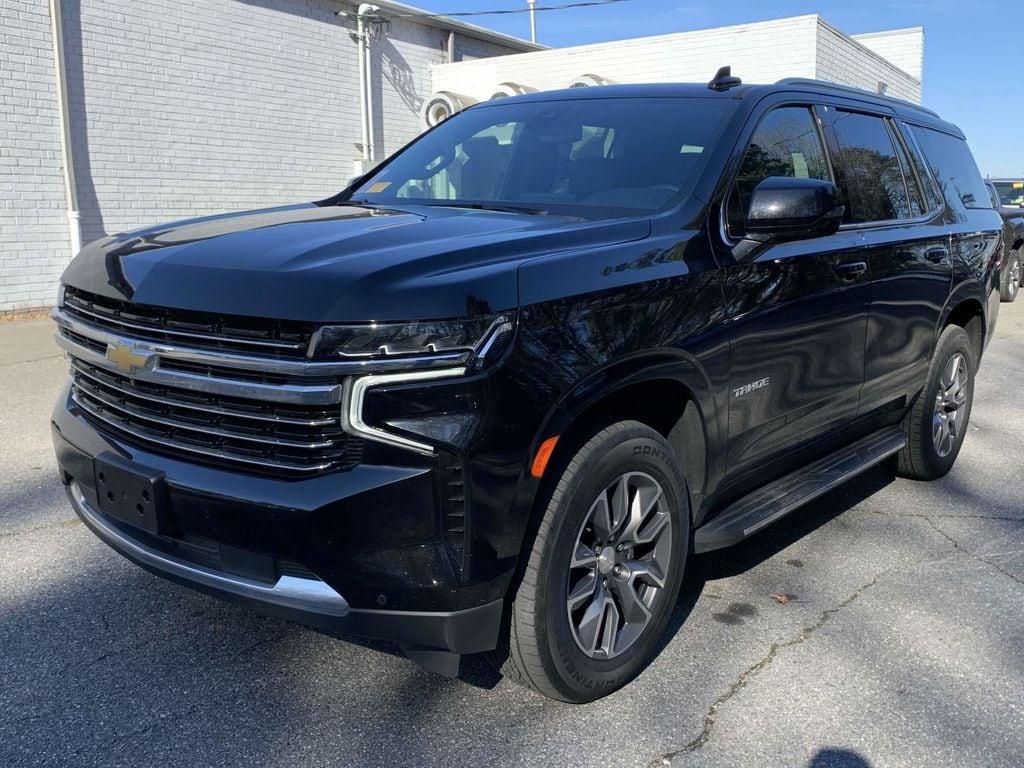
(123, 356)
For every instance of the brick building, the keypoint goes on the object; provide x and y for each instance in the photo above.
(178, 108)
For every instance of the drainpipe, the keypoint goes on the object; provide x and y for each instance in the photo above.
(533, 19)
(67, 158)
(365, 84)
(451, 46)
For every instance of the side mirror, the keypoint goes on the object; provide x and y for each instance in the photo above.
(785, 208)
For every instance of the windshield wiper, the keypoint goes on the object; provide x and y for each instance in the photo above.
(480, 206)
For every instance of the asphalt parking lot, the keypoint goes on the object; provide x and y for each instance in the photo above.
(901, 642)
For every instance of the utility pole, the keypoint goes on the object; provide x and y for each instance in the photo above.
(533, 19)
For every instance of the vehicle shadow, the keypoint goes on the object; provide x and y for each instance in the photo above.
(481, 672)
(832, 757)
(764, 545)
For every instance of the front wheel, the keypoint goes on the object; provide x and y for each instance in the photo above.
(1011, 278)
(605, 568)
(937, 422)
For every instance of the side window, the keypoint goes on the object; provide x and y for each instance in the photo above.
(954, 168)
(786, 143)
(870, 170)
(917, 204)
(931, 193)
(993, 195)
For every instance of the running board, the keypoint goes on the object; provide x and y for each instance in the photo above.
(765, 505)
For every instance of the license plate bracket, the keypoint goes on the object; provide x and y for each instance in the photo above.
(131, 493)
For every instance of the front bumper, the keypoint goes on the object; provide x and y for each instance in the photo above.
(367, 544)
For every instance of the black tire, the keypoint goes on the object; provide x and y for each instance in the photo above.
(1011, 282)
(542, 652)
(921, 459)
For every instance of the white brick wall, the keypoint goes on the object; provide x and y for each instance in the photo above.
(903, 47)
(188, 107)
(33, 226)
(842, 59)
(763, 52)
(802, 46)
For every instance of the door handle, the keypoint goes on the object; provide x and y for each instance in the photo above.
(937, 255)
(851, 270)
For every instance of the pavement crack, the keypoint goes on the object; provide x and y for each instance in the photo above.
(756, 668)
(1002, 518)
(973, 555)
(258, 644)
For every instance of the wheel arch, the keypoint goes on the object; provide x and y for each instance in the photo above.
(638, 389)
(967, 310)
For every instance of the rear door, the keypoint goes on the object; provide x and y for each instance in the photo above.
(893, 203)
(975, 229)
(797, 309)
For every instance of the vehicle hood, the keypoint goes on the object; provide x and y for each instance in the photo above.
(323, 263)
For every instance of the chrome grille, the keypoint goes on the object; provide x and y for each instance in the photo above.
(199, 330)
(255, 435)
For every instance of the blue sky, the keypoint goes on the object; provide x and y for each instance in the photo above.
(974, 49)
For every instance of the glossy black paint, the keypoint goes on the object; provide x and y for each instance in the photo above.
(648, 313)
(788, 207)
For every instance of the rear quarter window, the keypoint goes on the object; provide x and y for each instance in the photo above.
(954, 168)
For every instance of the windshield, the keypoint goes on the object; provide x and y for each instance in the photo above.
(594, 158)
(1010, 192)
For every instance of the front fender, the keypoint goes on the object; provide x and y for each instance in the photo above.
(670, 365)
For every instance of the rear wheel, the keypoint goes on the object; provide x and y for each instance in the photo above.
(605, 569)
(1011, 278)
(937, 422)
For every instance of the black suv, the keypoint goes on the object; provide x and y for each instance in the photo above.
(491, 396)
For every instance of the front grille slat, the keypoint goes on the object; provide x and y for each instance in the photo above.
(188, 400)
(248, 435)
(222, 407)
(174, 424)
(119, 324)
(178, 447)
(200, 330)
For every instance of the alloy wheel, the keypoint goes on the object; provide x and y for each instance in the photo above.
(947, 420)
(619, 566)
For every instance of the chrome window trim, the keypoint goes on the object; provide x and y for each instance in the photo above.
(356, 394)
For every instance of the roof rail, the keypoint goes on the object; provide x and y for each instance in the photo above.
(851, 89)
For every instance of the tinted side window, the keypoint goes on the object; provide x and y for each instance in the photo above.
(931, 193)
(786, 143)
(917, 204)
(993, 195)
(870, 170)
(954, 168)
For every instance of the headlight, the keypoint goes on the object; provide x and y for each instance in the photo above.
(435, 351)
(457, 341)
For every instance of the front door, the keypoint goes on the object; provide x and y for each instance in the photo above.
(797, 309)
(902, 218)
